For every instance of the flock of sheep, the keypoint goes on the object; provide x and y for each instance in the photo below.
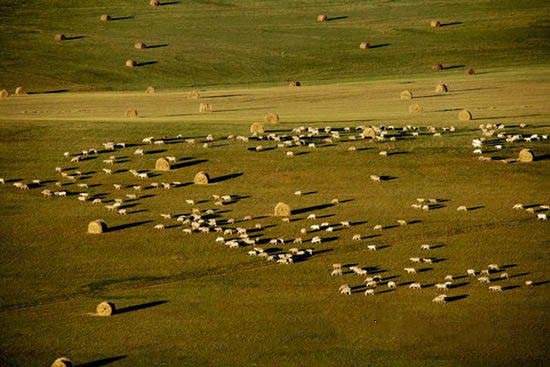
(237, 233)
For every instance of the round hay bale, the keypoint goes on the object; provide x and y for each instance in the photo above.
(105, 309)
(295, 83)
(364, 45)
(59, 37)
(257, 128)
(4, 93)
(441, 88)
(62, 362)
(97, 226)
(369, 132)
(105, 18)
(201, 178)
(322, 18)
(140, 45)
(150, 90)
(20, 91)
(162, 165)
(154, 3)
(131, 113)
(131, 63)
(526, 155)
(415, 108)
(437, 67)
(405, 95)
(464, 115)
(435, 24)
(469, 71)
(271, 118)
(282, 210)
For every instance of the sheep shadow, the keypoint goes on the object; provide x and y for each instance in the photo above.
(542, 282)
(388, 178)
(226, 177)
(458, 285)
(456, 298)
(472, 208)
(311, 208)
(101, 362)
(510, 287)
(127, 225)
(138, 307)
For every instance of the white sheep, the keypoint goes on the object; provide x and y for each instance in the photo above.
(159, 226)
(415, 286)
(410, 270)
(356, 237)
(542, 216)
(345, 289)
(391, 285)
(371, 247)
(122, 212)
(425, 247)
(471, 272)
(375, 178)
(440, 299)
(378, 227)
(402, 222)
(517, 206)
(312, 217)
(484, 280)
(369, 292)
(336, 272)
(462, 208)
(495, 288)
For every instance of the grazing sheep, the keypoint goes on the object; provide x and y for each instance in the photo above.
(449, 277)
(107, 171)
(345, 224)
(392, 285)
(410, 270)
(493, 267)
(139, 152)
(495, 288)
(542, 216)
(415, 259)
(336, 272)
(484, 280)
(462, 208)
(425, 247)
(297, 240)
(402, 222)
(356, 237)
(378, 227)
(334, 201)
(316, 240)
(96, 201)
(312, 217)
(298, 193)
(166, 216)
(369, 292)
(415, 286)
(122, 212)
(117, 186)
(159, 226)
(440, 299)
(315, 227)
(375, 178)
(371, 247)
(504, 275)
(528, 283)
(345, 289)
(471, 272)
(517, 206)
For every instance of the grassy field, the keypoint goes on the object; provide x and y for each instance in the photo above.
(187, 301)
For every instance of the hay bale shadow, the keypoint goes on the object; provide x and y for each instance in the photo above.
(101, 362)
(157, 46)
(226, 177)
(138, 307)
(145, 63)
(122, 18)
(73, 38)
(127, 225)
(337, 18)
(380, 45)
(453, 67)
(311, 208)
(450, 24)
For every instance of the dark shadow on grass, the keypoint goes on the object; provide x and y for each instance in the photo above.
(453, 67)
(476, 207)
(337, 18)
(226, 177)
(138, 307)
(542, 282)
(75, 38)
(145, 63)
(311, 208)
(155, 151)
(456, 298)
(157, 46)
(510, 287)
(127, 225)
(169, 3)
(50, 91)
(388, 178)
(187, 163)
(380, 45)
(458, 285)
(450, 24)
(122, 18)
(101, 362)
